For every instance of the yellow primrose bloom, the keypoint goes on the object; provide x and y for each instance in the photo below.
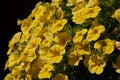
(45, 72)
(83, 47)
(58, 25)
(56, 54)
(62, 38)
(116, 65)
(96, 64)
(117, 15)
(105, 46)
(94, 32)
(60, 76)
(74, 58)
(79, 36)
(81, 15)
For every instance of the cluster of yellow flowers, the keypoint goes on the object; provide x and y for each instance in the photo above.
(45, 41)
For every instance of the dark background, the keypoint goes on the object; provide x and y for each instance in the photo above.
(10, 11)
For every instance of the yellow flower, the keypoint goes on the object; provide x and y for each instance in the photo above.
(28, 55)
(9, 77)
(56, 2)
(86, 60)
(60, 76)
(25, 37)
(74, 58)
(96, 64)
(28, 77)
(59, 14)
(43, 51)
(78, 16)
(105, 46)
(74, 2)
(79, 5)
(83, 47)
(45, 72)
(25, 24)
(92, 3)
(33, 43)
(62, 38)
(16, 74)
(14, 40)
(94, 32)
(38, 11)
(32, 72)
(117, 45)
(71, 2)
(12, 60)
(58, 25)
(92, 12)
(116, 65)
(46, 36)
(46, 41)
(51, 12)
(81, 15)
(38, 29)
(117, 15)
(56, 53)
(79, 36)
(33, 25)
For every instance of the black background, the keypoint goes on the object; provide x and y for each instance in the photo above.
(10, 11)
